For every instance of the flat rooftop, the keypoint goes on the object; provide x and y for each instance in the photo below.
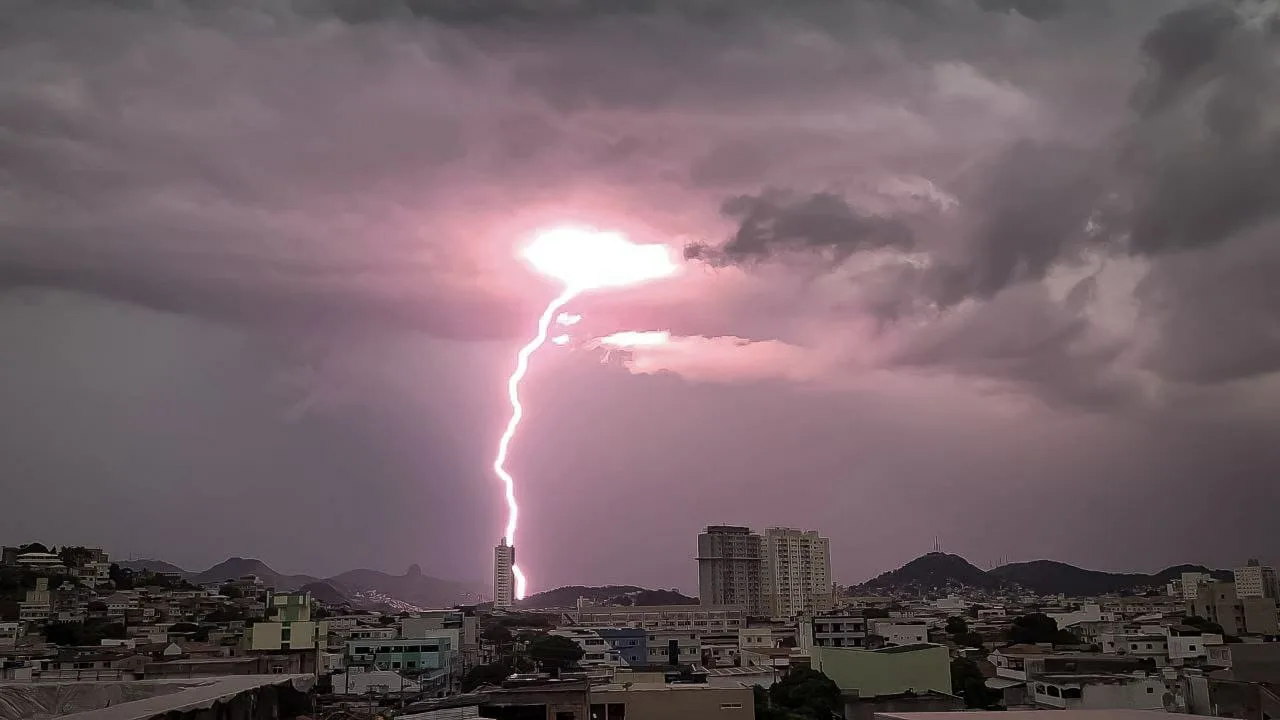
(1040, 715)
(169, 695)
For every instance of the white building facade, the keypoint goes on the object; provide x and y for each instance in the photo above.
(797, 572)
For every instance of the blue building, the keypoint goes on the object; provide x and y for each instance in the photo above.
(630, 643)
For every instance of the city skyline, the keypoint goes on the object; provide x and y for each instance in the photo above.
(944, 269)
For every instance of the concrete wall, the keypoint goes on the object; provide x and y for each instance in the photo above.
(675, 702)
(893, 672)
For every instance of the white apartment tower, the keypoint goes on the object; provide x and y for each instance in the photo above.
(1255, 580)
(797, 579)
(731, 569)
(504, 581)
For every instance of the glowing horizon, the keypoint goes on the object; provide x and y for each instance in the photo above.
(583, 259)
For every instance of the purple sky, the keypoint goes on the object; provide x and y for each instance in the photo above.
(1000, 271)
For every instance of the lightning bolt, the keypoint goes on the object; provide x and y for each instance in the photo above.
(513, 424)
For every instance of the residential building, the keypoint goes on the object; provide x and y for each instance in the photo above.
(359, 681)
(720, 650)
(1260, 615)
(1217, 603)
(289, 626)
(797, 577)
(459, 625)
(759, 638)
(673, 647)
(832, 630)
(39, 561)
(1190, 582)
(402, 654)
(1246, 662)
(1255, 580)
(10, 632)
(703, 618)
(38, 605)
(1151, 646)
(595, 650)
(504, 581)
(1189, 645)
(1079, 691)
(631, 644)
(731, 568)
(384, 632)
(901, 632)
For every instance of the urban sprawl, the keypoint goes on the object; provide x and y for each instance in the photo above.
(770, 636)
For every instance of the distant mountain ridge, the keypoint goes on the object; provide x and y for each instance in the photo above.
(938, 571)
(361, 587)
(619, 595)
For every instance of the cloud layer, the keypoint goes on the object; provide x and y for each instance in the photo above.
(1067, 205)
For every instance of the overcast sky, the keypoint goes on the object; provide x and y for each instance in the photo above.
(1005, 272)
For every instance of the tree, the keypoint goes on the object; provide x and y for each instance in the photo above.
(765, 709)
(492, 674)
(231, 591)
(1039, 628)
(122, 578)
(224, 615)
(498, 634)
(967, 682)
(956, 625)
(969, 639)
(554, 653)
(807, 693)
(871, 613)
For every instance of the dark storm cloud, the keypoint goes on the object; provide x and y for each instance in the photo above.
(775, 222)
(1195, 165)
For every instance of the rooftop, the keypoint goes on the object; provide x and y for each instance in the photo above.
(178, 695)
(1039, 715)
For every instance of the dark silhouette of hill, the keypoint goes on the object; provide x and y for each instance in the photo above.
(940, 571)
(325, 592)
(155, 566)
(934, 571)
(1049, 577)
(412, 587)
(622, 595)
(236, 567)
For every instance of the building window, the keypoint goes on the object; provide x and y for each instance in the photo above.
(1151, 691)
(617, 711)
(597, 712)
(730, 706)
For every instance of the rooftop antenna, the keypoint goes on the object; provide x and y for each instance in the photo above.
(937, 546)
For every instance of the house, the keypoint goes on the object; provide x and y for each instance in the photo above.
(833, 630)
(1090, 691)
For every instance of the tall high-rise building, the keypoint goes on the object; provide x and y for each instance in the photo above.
(731, 568)
(1255, 580)
(504, 581)
(797, 577)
